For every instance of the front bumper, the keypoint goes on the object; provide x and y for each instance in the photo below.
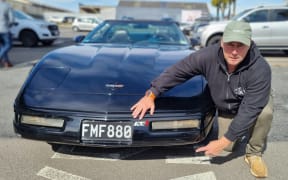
(142, 135)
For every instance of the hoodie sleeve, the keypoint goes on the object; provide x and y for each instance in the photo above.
(255, 99)
(180, 72)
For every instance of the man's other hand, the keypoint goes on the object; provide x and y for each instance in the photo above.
(214, 148)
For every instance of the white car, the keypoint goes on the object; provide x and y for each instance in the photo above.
(85, 23)
(269, 28)
(31, 31)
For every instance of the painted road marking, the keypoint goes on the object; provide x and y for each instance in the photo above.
(207, 176)
(55, 174)
(188, 160)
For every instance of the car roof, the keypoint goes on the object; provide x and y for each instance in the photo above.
(271, 7)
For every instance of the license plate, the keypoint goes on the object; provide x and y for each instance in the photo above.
(107, 131)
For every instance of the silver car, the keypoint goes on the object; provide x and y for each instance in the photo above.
(269, 28)
(85, 23)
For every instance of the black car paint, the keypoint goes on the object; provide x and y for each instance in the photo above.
(78, 82)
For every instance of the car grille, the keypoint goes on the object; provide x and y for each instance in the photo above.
(53, 30)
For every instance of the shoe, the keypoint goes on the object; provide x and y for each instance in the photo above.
(257, 165)
(7, 65)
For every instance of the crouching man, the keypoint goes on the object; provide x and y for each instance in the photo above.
(239, 79)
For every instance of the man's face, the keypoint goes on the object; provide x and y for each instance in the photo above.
(234, 53)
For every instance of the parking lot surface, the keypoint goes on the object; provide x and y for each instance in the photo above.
(34, 160)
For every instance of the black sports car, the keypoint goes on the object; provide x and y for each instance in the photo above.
(82, 94)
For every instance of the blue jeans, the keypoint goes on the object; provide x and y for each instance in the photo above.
(6, 44)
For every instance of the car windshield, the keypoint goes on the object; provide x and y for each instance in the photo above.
(22, 15)
(137, 33)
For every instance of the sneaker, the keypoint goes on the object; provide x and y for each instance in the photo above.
(7, 64)
(257, 165)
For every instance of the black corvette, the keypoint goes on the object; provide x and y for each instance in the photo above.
(82, 94)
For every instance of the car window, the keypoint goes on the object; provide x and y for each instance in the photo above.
(257, 16)
(237, 16)
(279, 15)
(22, 15)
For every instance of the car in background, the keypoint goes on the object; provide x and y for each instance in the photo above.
(185, 27)
(192, 28)
(269, 28)
(30, 31)
(85, 23)
(82, 94)
(55, 19)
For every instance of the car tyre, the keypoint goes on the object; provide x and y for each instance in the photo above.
(47, 42)
(28, 38)
(75, 28)
(54, 146)
(214, 39)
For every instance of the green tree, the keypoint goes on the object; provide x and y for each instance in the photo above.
(221, 5)
(234, 7)
(217, 4)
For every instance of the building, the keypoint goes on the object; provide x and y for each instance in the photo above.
(139, 9)
(102, 11)
(149, 9)
(33, 8)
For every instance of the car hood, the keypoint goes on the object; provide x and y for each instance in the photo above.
(37, 22)
(218, 25)
(98, 78)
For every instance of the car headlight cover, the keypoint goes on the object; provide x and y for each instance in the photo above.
(42, 121)
(180, 124)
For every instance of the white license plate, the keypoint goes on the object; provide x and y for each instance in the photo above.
(106, 131)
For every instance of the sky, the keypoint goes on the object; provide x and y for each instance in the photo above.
(72, 5)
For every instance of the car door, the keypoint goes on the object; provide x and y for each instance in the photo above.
(261, 27)
(279, 27)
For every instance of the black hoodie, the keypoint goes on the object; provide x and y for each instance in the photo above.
(243, 93)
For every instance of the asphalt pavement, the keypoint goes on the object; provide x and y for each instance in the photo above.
(26, 159)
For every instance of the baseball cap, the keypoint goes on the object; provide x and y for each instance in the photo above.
(238, 31)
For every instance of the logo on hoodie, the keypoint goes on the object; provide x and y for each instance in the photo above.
(240, 91)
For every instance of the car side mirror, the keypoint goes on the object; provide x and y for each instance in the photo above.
(78, 39)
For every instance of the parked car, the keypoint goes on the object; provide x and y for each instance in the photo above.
(269, 27)
(85, 23)
(82, 94)
(30, 31)
(191, 29)
(55, 19)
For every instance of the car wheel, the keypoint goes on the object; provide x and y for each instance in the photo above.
(54, 146)
(47, 42)
(286, 52)
(213, 40)
(28, 38)
(75, 28)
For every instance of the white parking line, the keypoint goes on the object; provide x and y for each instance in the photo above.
(188, 160)
(55, 174)
(207, 176)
